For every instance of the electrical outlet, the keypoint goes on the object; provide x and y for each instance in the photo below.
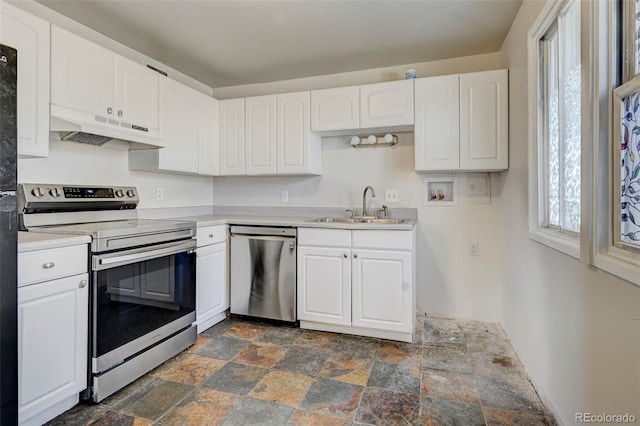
(285, 196)
(159, 194)
(474, 249)
(391, 195)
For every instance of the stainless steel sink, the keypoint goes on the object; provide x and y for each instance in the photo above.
(361, 220)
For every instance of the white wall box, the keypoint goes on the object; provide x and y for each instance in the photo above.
(440, 191)
(472, 137)
(52, 334)
(386, 104)
(260, 135)
(335, 109)
(30, 35)
(298, 151)
(232, 137)
(212, 295)
(371, 289)
(188, 129)
(101, 92)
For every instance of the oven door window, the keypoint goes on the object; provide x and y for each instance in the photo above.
(135, 299)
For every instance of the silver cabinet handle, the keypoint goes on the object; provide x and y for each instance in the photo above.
(83, 283)
(210, 235)
(109, 110)
(355, 256)
(292, 245)
(120, 113)
(48, 265)
(345, 255)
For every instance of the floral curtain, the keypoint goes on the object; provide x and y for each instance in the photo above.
(630, 170)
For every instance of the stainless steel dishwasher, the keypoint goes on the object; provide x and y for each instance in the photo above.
(263, 272)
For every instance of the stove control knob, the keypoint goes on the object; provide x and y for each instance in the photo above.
(119, 193)
(37, 192)
(55, 192)
(131, 193)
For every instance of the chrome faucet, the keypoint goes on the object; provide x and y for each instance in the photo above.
(364, 199)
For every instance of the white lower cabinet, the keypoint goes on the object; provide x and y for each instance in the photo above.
(212, 296)
(53, 319)
(357, 282)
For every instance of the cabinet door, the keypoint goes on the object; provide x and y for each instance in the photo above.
(324, 285)
(297, 149)
(211, 283)
(52, 342)
(30, 36)
(484, 120)
(437, 137)
(232, 137)
(208, 140)
(386, 104)
(260, 135)
(136, 96)
(382, 290)
(335, 109)
(178, 127)
(81, 74)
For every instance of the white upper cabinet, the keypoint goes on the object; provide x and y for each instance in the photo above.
(209, 146)
(260, 135)
(335, 109)
(90, 79)
(232, 137)
(462, 122)
(30, 36)
(484, 120)
(386, 104)
(437, 134)
(297, 149)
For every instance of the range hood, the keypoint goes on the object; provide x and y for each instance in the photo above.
(82, 127)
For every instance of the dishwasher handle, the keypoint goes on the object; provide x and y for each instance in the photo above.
(292, 240)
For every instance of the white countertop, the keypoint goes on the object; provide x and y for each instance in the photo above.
(31, 241)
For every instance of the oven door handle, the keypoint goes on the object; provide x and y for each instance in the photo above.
(112, 260)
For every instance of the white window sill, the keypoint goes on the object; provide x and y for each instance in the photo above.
(620, 263)
(564, 243)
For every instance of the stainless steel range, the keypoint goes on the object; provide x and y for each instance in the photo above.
(143, 277)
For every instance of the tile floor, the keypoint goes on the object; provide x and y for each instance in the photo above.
(244, 373)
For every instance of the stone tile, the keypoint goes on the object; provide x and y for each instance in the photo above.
(382, 407)
(143, 384)
(200, 342)
(282, 387)
(192, 369)
(112, 418)
(303, 360)
(449, 385)
(333, 398)
(235, 378)
(218, 329)
(154, 400)
(202, 407)
(81, 414)
(443, 412)
(347, 369)
(315, 339)
(355, 346)
(260, 354)
(223, 348)
(400, 353)
(283, 336)
(447, 358)
(443, 332)
(306, 418)
(253, 412)
(246, 330)
(486, 337)
(508, 394)
(496, 417)
(497, 365)
(395, 377)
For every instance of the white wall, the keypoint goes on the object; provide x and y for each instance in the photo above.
(576, 329)
(450, 283)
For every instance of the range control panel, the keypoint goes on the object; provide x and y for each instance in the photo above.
(42, 193)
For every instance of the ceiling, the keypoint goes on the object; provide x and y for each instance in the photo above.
(227, 43)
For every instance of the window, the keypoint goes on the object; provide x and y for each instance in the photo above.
(555, 96)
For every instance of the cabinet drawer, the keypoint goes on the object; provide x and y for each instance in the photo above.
(211, 235)
(324, 237)
(45, 265)
(383, 239)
